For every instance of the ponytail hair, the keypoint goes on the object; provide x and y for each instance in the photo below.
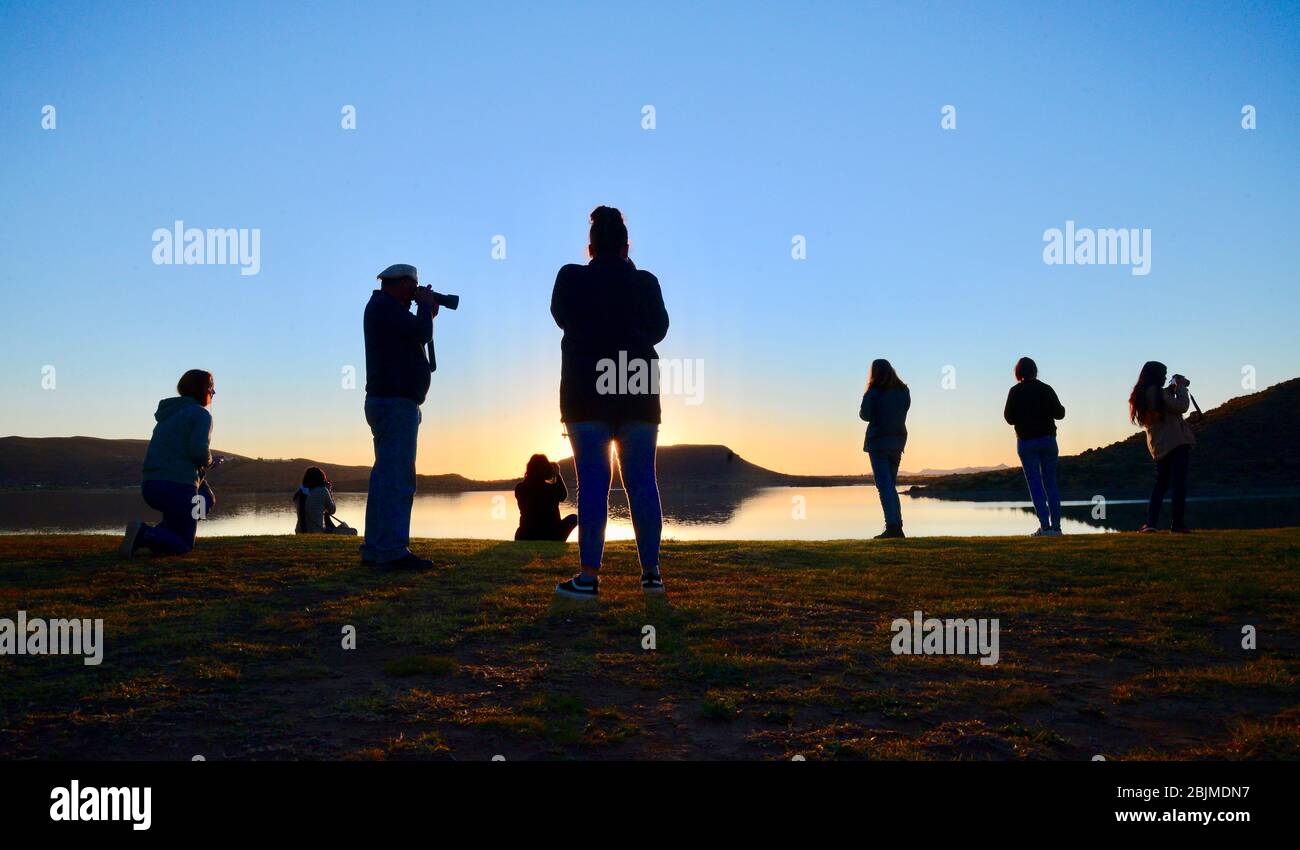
(608, 234)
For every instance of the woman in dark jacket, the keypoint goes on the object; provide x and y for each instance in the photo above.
(1033, 408)
(612, 315)
(539, 497)
(884, 407)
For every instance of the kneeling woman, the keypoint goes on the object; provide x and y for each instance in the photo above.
(539, 496)
(315, 503)
(174, 472)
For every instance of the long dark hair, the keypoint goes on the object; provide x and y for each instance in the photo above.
(608, 234)
(539, 468)
(883, 377)
(312, 476)
(1140, 411)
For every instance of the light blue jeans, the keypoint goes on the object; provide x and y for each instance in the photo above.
(884, 471)
(395, 425)
(636, 462)
(1038, 457)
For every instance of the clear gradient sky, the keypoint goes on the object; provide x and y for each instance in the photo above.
(773, 119)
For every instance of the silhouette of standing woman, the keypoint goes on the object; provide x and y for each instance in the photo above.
(884, 408)
(1033, 408)
(1159, 410)
(612, 315)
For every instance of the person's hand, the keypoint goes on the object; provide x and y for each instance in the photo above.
(1181, 381)
(424, 295)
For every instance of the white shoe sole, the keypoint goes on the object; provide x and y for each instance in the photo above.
(569, 594)
(127, 547)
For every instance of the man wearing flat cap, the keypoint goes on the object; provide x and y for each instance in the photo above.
(397, 381)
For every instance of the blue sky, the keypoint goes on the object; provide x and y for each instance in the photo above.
(924, 245)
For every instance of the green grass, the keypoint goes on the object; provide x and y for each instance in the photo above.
(1119, 645)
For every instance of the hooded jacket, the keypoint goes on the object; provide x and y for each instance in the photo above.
(179, 447)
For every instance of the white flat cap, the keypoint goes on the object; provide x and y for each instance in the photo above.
(399, 270)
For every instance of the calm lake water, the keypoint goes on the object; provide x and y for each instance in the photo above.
(776, 513)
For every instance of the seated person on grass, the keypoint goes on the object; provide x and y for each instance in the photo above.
(539, 496)
(315, 502)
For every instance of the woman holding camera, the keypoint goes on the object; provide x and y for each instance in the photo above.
(314, 502)
(612, 315)
(539, 497)
(1159, 410)
(175, 466)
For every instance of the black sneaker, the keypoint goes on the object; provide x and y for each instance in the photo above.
(1147, 529)
(579, 587)
(652, 582)
(409, 561)
(131, 539)
(891, 532)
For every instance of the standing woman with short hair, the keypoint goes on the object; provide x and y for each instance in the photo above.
(884, 407)
(1159, 410)
(1033, 408)
(612, 315)
(175, 466)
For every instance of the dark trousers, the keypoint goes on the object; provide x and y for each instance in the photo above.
(176, 502)
(1171, 475)
(559, 532)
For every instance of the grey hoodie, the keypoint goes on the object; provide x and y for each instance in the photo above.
(178, 449)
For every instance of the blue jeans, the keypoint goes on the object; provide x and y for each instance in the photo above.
(394, 424)
(884, 471)
(175, 501)
(636, 463)
(1038, 457)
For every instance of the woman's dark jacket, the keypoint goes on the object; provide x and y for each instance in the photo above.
(612, 315)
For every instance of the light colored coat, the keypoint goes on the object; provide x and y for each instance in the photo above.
(1168, 430)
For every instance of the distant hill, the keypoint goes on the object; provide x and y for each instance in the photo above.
(1246, 446)
(964, 470)
(91, 462)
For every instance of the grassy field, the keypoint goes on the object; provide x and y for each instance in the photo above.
(1124, 646)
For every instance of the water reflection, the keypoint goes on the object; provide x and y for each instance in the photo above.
(776, 513)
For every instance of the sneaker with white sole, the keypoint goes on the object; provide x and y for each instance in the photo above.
(652, 582)
(579, 587)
